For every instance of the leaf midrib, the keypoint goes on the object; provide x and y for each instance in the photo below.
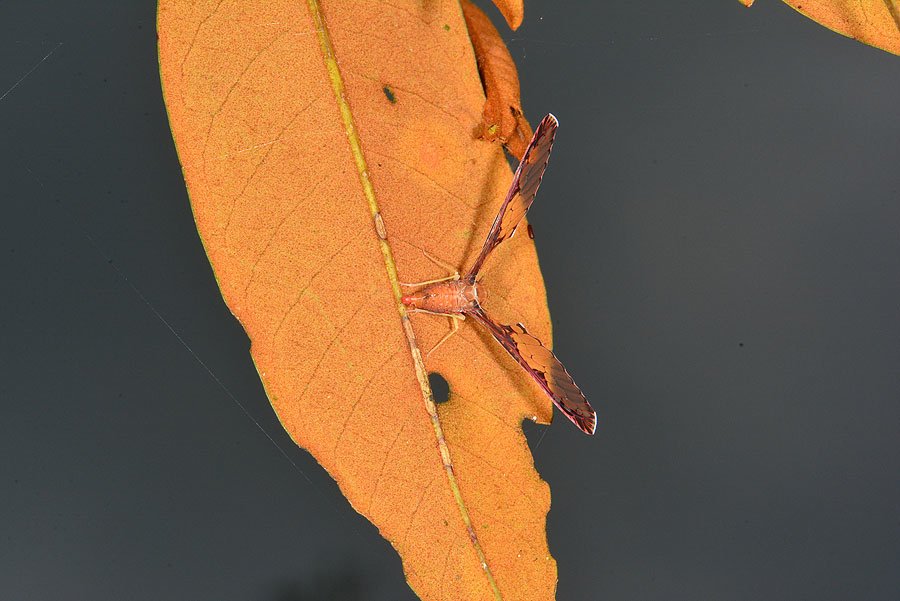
(337, 85)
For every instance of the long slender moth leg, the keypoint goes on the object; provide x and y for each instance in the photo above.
(429, 312)
(454, 323)
(425, 283)
(439, 263)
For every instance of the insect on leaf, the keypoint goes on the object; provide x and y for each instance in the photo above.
(315, 192)
(459, 297)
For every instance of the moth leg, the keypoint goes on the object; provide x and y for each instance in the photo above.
(428, 312)
(454, 323)
(439, 263)
(425, 283)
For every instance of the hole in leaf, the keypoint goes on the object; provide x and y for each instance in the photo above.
(439, 387)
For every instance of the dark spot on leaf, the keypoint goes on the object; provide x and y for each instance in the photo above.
(439, 387)
(389, 94)
(446, 27)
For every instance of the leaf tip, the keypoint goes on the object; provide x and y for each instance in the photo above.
(512, 10)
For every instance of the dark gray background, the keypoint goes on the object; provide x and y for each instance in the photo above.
(720, 236)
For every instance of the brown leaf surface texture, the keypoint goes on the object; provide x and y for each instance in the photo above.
(502, 118)
(325, 146)
(873, 22)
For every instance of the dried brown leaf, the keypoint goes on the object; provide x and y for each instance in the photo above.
(502, 117)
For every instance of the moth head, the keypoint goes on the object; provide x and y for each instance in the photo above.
(414, 300)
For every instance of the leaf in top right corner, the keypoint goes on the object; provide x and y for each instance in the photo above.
(873, 22)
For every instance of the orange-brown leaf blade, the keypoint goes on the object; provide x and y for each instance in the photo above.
(873, 22)
(283, 202)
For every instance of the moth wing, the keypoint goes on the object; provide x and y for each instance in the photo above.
(521, 192)
(542, 365)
